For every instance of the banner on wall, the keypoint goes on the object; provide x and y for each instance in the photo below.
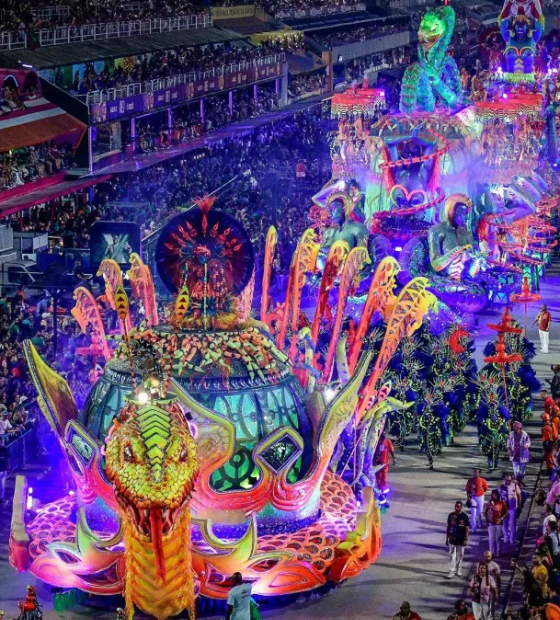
(135, 104)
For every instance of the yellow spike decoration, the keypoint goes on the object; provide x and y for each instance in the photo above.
(121, 302)
(182, 304)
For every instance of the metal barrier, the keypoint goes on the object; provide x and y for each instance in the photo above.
(48, 12)
(409, 4)
(47, 37)
(138, 88)
(21, 449)
(324, 10)
(13, 40)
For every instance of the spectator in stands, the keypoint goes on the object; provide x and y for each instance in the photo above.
(24, 165)
(178, 61)
(9, 100)
(4, 469)
(5, 424)
(287, 8)
(272, 148)
(361, 33)
(23, 16)
(553, 543)
(307, 84)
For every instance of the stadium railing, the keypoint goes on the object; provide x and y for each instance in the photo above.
(138, 88)
(46, 37)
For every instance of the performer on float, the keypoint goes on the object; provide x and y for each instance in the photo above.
(451, 241)
(358, 202)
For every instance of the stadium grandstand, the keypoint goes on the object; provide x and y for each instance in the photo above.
(93, 93)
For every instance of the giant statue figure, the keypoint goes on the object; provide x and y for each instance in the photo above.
(451, 241)
(521, 34)
(435, 76)
(343, 227)
(452, 263)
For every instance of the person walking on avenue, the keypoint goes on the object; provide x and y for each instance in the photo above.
(550, 405)
(457, 537)
(384, 449)
(483, 592)
(549, 437)
(496, 512)
(239, 599)
(405, 613)
(461, 611)
(476, 488)
(543, 320)
(553, 543)
(518, 445)
(510, 493)
(555, 382)
(494, 572)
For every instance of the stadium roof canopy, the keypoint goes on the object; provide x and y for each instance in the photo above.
(77, 53)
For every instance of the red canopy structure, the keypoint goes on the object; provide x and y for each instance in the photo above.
(357, 102)
(40, 121)
(34, 119)
(43, 195)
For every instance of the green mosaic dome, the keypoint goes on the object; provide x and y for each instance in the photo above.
(257, 403)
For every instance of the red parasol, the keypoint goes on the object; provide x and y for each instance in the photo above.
(525, 298)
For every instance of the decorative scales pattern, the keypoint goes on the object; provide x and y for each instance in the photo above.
(154, 427)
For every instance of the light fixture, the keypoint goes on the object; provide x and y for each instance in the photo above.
(143, 397)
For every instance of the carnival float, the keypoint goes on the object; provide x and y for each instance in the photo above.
(474, 236)
(213, 442)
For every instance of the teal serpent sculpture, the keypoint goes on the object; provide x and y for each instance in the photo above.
(435, 75)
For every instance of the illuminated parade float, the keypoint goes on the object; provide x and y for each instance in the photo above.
(213, 442)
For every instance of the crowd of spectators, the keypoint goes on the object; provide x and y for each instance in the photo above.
(307, 84)
(159, 65)
(397, 57)
(266, 192)
(22, 318)
(25, 16)
(361, 33)
(188, 123)
(24, 165)
(287, 8)
(9, 100)
(541, 579)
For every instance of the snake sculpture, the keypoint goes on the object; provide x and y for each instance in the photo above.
(435, 77)
(152, 463)
(150, 471)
